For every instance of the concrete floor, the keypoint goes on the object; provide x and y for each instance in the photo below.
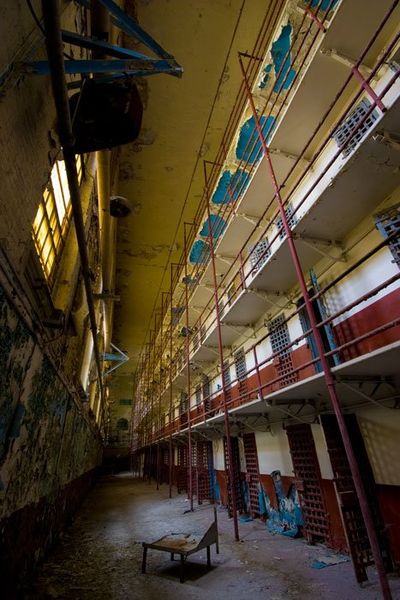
(99, 557)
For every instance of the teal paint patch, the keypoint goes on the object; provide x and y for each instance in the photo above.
(249, 147)
(217, 227)
(282, 60)
(287, 519)
(230, 186)
(265, 78)
(324, 5)
(199, 253)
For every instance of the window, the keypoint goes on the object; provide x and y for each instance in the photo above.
(198, 395)
(350, 124)
(388, 224)
(291, 218)
(259, 254)
(125, 402)
(240, 364)
(53, 217)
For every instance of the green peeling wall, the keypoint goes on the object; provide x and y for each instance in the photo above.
(47, 448)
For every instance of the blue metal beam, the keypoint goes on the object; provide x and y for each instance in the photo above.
(70, 37)
(138, 68)
(129, 26)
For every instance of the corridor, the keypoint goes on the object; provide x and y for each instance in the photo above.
(99, 556)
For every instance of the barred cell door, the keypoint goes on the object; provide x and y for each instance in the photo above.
(236, 475)
(280, 339)
(193, 470)
(203, 483)
(353, 521)
(308, 483)
(181, 469)
(252, 471)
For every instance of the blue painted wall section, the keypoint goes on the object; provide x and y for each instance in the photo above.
(230, 186)
(249, 146)
(282, 62)
(324, 5)
(217, 227)
(199, 253)
(44, 442)
(287, 519)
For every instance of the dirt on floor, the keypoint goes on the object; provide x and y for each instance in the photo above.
(99, 556)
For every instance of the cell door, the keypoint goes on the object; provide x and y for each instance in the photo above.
(181, 469)
(236, 475)
(252, 471)
(203, 476)
(280, 339)
(353, 521)
(309, 484)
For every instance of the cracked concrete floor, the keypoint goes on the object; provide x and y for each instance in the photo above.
(99, 556)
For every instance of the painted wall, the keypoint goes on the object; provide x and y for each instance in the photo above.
(49, 449)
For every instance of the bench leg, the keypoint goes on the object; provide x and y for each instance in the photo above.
(181, 579)
(172, 556)
(208, 556)
(144, 559)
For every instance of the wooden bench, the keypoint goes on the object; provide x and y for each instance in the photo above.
(184, 544)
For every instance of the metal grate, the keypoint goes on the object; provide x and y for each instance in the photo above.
(236, 475)
(205, 382)
(388, 224)
(198, 395)
(240, 364)
(350, 124)
(226, 374)
(252, 471)
(259, 254)
(309, 483)
(291, 219)
(241, 371)
(279, 338)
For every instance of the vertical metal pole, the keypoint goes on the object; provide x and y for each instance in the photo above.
(171, 457)
(188, 374)
(221, 360)
(158, 421)
(329, 379)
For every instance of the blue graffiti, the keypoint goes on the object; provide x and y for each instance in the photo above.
(282, 60)
(325, 4)
(199, 253)
(217, 227)
(249, 146)
(230, 186)
(287, 519)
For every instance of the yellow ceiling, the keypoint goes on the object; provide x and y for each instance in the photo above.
(162, 172)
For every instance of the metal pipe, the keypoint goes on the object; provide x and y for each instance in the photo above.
(51, 19)
(188, 374)
(221, 360)
(329, 379)
(170, 390)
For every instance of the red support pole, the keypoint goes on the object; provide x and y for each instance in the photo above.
(329, 379)
(315, 19)
(188, 374)
(171, 457)
(221, 360)
(366, 86)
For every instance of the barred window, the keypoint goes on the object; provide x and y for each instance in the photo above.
(259, 254)
(291, 219)
(240, 364)
(352, 124)
(53, 217)
(388, 224)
